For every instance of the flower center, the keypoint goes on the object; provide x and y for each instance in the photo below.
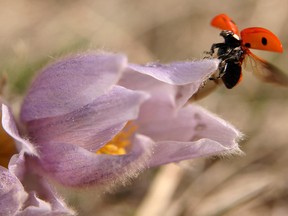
(121, 142)
(7, 147)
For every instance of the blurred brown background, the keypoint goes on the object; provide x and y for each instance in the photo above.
(35, 32)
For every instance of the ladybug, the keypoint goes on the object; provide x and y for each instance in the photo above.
(236, 49)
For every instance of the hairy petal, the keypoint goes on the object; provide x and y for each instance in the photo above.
(209, 134)
(161, 94)
(71, 83)
(74, 166)
(12, 194)
(178, 73)
(9, 126)
(160, 120)
(138, 81)
(14, 200)
(164, 123)
(53, 206)
(92, 125)
(212, 127)
(171, 151)
(185, 92)
(180, 79)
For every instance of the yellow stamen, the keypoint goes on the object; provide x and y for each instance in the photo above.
(121, 142)
(7, 147)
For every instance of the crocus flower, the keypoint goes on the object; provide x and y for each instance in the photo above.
(22, 190)
(94, 119)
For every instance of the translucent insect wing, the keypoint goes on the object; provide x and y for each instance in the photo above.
(260, 38)
(223, 22)
(265, 71)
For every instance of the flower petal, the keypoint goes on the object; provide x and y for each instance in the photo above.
(187, 76)
(12, 194)
(160, 120)
(170, 151)
(36, 206)
(138, 81)
(179, 73)
(92, 125)
(185, 92)
(71, 83)
(74, 166)
(212, 127)
(164, 122)
(188, 123)
(52, 207)
(209, 134)
(9, 126)
(13, 198)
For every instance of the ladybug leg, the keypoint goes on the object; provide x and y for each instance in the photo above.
(232, 55)
(221, 69)
(226, 55)
(215, 46)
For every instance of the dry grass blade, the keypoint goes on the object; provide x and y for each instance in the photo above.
(232, 195)
(161, 191)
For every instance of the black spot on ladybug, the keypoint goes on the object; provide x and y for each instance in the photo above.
(248, 45)
(264, 41)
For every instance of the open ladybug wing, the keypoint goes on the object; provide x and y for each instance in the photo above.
(223, 22)
(260, 38)
(265, 71)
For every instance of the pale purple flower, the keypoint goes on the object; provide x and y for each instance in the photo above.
(77, 109)
(12, 193)
(23, 191)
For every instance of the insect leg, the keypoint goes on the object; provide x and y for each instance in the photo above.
(215, 46)
(221, 70)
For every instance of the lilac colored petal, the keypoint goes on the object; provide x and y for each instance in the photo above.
(159, 91)
(17, 165)
(159, 120)
(179, 73)
(42, 199)
(185, 88)
(58, 206)
(210, 135)
(138, 81)
(36, 207)
(170, 151)
(185, 92)
(71, 83)
(12, 193)
(93, 125)
(9, 126)
(15, 201)
(74, 166)
(164, 123)
(212, 127)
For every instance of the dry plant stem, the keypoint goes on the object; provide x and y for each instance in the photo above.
(204, 185)
(161, 191)
(235, 193)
